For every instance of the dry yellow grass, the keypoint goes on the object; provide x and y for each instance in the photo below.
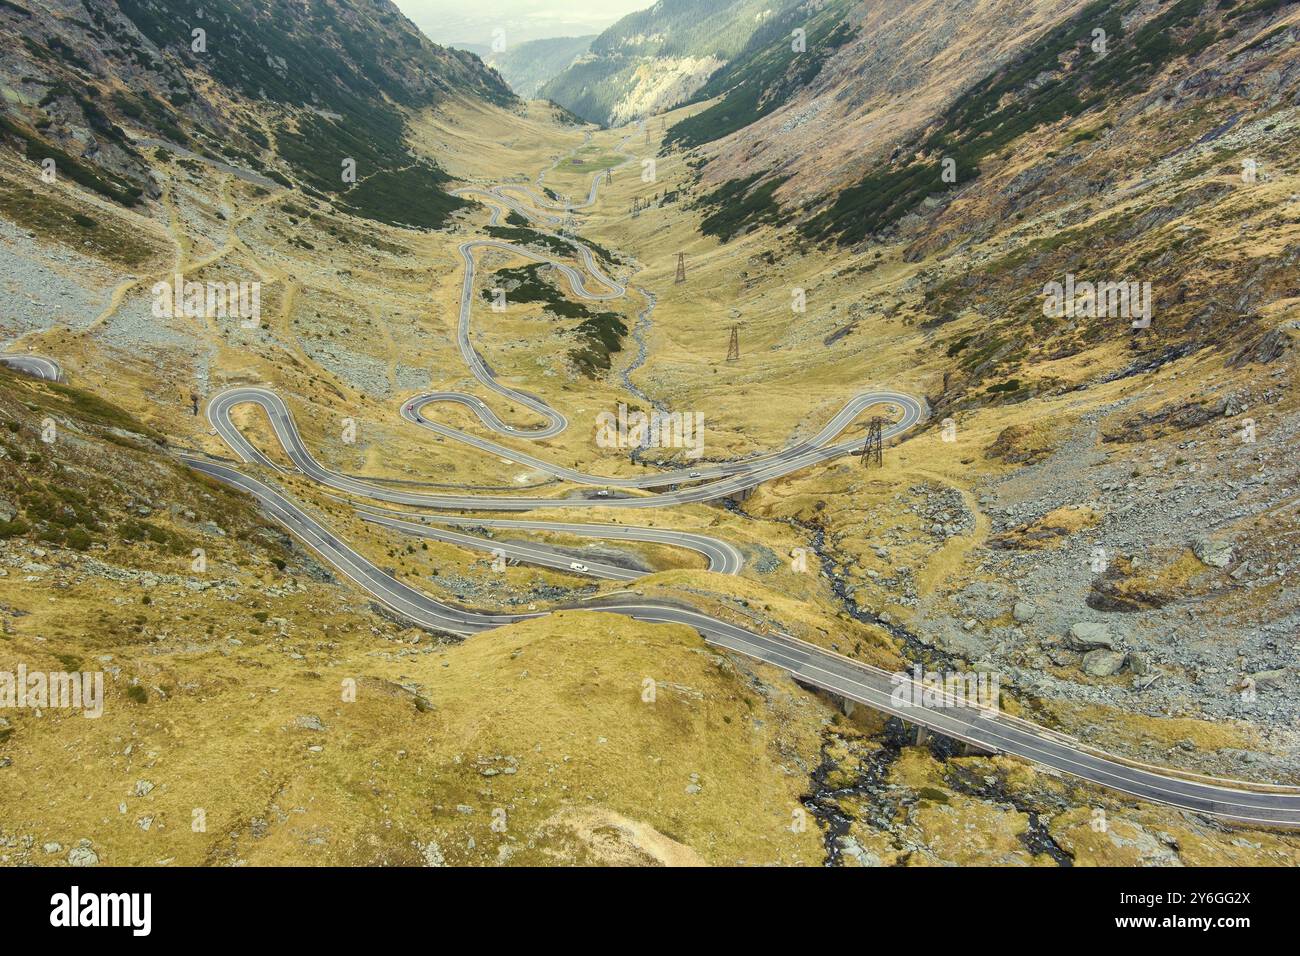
(598, 775)
(527, 745)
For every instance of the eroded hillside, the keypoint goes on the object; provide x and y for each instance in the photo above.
(1100, 514)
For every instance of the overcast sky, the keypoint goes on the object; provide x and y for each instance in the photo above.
(464, 22)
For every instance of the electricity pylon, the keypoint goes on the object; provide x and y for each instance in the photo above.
(681, 267)
(733, 347)
(875, 445)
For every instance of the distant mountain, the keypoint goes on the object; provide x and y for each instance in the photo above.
(480, 50)
(529, 65)
(655, 59)
(290, 88)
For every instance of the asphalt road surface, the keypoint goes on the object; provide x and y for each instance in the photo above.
(984, 728)
(988, 729)
(715, 481)
(722, 557)
(36, 366)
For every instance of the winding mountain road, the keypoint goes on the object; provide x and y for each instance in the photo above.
(722, 556)
(985, 728)
(727, 479)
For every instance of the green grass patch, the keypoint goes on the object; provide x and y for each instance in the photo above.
(594, 160)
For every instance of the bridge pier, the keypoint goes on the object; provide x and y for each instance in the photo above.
(739, 496)
(964, 747)
(919, 733)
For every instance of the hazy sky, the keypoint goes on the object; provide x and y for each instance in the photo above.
(467, 22)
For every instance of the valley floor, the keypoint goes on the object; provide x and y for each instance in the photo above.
(1111, 548)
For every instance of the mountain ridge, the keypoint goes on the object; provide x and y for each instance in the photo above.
(530, 65)
(656, 59)
(289, 89)
(1080, 349)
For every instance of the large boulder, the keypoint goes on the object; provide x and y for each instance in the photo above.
(964, 644)
(1023, 612)
(1270, 680)
(1102, 663)
(1089, 635)
(83, 854)
(1214, 554)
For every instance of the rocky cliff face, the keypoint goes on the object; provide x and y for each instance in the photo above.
(910, 82)
(276, 87)
(655, 59)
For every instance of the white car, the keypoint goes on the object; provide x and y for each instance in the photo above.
(602, 493)
(578, 566)
(696, 474)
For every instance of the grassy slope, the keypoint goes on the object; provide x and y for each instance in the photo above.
(213, 721)
(787, 378)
